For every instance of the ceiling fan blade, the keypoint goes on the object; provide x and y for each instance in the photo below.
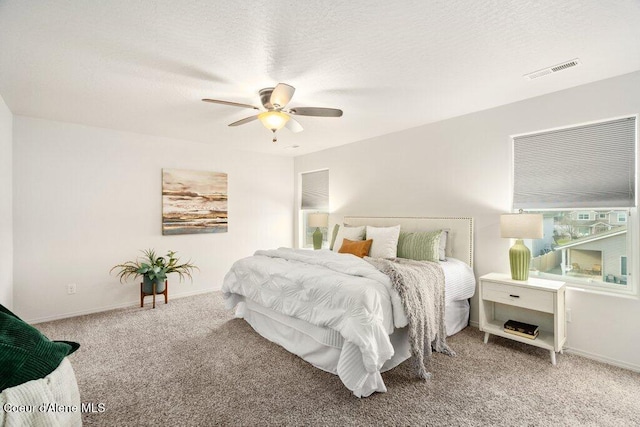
(243, 121)
(281, 95)
(233, 104)
(293, 125)
(316, 111)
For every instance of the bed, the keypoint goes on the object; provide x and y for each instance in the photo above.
(357, 344)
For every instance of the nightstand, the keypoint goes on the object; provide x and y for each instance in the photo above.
(536, 301)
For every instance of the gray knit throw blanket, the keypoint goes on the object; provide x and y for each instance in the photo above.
(420, 285)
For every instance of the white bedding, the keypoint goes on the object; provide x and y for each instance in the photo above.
(459, 279)
(326, 289)
(336, 292)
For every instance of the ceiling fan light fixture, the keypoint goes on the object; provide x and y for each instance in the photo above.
(273, 120)
(274, 100)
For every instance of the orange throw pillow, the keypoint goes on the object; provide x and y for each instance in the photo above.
(358, 248)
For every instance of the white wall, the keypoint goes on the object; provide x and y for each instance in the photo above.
(87, 198)
(6, 206)
(462, 166)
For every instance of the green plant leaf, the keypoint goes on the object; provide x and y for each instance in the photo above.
(154, 267)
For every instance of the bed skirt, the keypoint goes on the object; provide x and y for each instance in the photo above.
(326, 349)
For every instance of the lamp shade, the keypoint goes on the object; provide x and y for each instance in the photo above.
(521, 226)
(273, 120)
(318, 220)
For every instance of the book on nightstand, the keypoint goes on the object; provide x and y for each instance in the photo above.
(521, 334)
(521, 329)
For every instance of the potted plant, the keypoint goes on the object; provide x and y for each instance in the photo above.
(154, 270)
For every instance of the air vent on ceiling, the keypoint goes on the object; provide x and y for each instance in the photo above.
(554, 69)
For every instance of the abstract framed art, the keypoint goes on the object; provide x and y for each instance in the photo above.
(193, 202)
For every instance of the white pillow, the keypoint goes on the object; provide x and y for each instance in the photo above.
(345, 232)
(385, 241)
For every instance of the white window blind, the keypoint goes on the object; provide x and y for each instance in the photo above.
(315, 190)
(590, 166)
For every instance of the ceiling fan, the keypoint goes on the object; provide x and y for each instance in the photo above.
(275, 116)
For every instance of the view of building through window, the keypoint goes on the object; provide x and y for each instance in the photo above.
(583, 244)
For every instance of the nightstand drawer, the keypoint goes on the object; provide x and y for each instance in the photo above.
(532, 299)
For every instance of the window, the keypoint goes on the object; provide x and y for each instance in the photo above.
(582, 254)
(582, 179)
(314, 198)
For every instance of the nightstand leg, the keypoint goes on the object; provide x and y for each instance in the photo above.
(486, 337)
(553, 357)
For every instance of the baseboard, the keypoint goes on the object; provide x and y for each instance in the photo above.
(474, 324)
(111, 307)
(599, 358)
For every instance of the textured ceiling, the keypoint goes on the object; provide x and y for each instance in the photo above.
(143, 66)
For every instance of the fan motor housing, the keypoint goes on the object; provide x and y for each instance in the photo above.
(265, 97)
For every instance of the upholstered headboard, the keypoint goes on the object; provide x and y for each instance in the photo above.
(460, 239)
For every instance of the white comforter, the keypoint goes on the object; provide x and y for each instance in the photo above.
(337, 291)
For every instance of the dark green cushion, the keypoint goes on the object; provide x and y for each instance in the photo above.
(26, 354)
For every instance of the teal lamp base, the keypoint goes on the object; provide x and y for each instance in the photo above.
(519, 258)
(317, 239)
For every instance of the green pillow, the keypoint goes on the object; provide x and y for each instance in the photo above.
(334, 235)
(26, 354)
(420, 246)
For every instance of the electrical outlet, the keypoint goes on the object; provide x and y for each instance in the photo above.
(568, 315)
(71, 288)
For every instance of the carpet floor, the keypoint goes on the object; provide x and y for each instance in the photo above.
(190, 363)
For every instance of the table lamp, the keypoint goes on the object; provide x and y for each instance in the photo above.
(520, 226)
(318, 220)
